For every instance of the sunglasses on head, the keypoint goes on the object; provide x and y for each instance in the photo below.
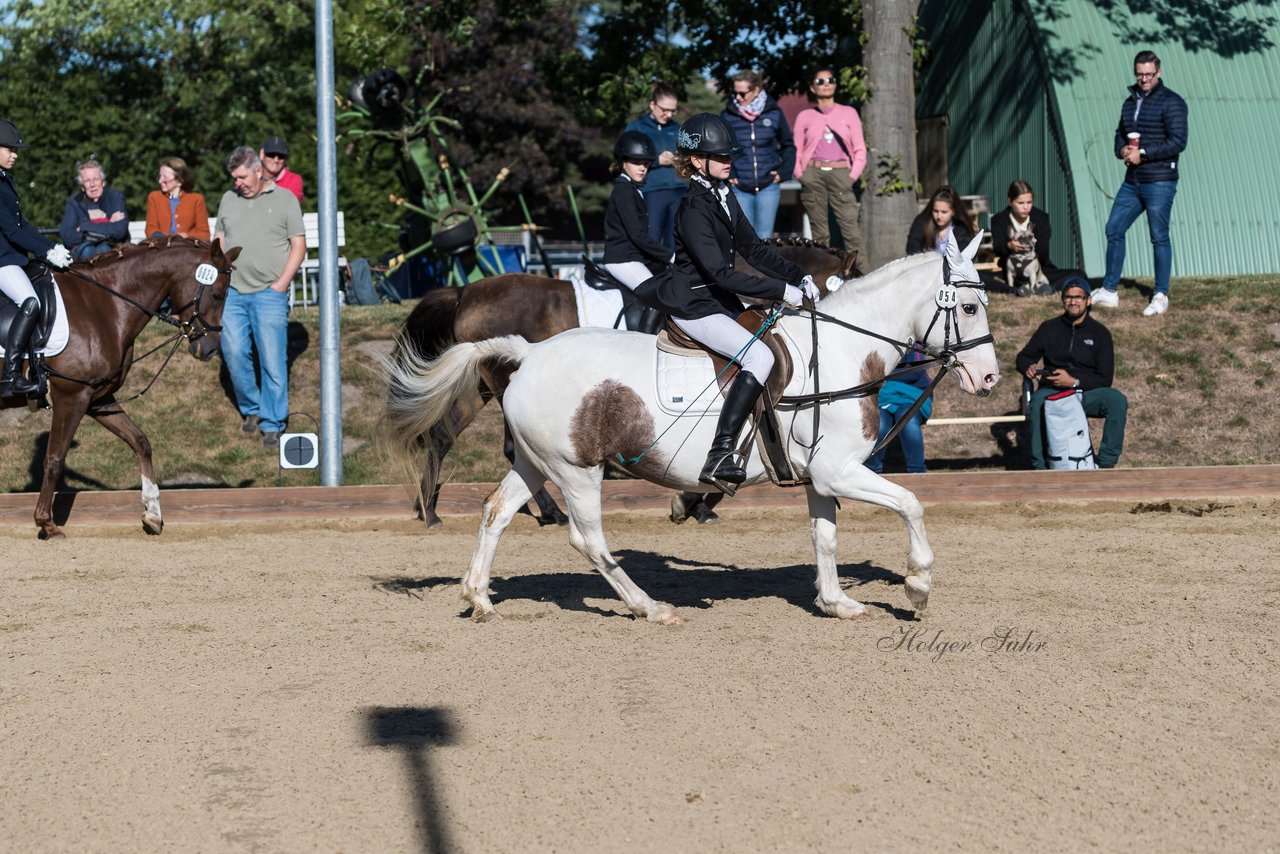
(823, 81)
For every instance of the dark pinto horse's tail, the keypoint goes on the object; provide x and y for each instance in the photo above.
(429, 327)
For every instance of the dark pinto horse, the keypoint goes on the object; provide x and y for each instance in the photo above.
(108, 301)
(536, 308)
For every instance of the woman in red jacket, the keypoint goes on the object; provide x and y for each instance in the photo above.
(174, 208)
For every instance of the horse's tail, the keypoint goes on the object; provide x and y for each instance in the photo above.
(421, 392)
(429, 327)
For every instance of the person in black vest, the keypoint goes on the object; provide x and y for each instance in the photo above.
(700, 292)
(1151, 134)
(18, 238)
(630, 254)
(1077, 352)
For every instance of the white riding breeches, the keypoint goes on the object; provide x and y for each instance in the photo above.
(15, 284)
(630, 273)
(723, 334)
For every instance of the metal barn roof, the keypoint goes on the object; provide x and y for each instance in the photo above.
(1032, 89)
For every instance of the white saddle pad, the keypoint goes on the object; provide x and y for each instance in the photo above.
(596, 308)
(58, 336)
(686, 384)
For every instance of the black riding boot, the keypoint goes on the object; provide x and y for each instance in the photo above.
(13, 382)
(651, 321)
(737, 406)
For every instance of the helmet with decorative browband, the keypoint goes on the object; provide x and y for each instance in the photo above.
(707, 133)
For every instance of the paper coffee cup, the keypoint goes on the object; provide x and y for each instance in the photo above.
(1133, 138)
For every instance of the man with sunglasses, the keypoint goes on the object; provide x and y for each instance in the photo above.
(1077, 352)
(1151, 135)
(274, 155)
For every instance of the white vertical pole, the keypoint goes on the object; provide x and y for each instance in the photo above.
(330, 328)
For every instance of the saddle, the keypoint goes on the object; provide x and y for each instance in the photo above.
(632, 315)
(42, 280)
(768, 432)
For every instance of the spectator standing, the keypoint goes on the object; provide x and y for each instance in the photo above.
(1155, 117)
(830, 157)
(663, 188)
(266, 222)
(1077, 352)
(18, 238)
(95, 219)
(274, 155)
(175, 208)
(942, 220)
(768, 150)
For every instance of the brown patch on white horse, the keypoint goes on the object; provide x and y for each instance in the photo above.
(612, 419)
(873, 368)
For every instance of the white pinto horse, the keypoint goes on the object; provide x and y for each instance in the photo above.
(589, 395)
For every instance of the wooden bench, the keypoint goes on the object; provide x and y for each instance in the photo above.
(305, 287)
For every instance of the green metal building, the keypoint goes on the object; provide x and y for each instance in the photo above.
(1032, 89)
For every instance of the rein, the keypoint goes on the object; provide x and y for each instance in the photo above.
(946, 300)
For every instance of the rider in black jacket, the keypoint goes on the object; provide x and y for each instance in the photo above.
(17, 238)
(630, 254)
(701, 292)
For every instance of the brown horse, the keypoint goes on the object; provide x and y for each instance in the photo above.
(108, 301)
(536, 308)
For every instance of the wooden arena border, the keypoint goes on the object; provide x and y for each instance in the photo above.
(465, 499)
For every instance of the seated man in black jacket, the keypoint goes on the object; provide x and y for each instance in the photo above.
(1077, 353)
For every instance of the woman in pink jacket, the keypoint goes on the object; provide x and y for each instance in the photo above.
(831, 156)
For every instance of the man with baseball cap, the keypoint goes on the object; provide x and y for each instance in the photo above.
(273, 154)
(18, 238)
(1078, 353)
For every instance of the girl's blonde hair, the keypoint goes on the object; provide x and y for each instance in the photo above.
(684, 164)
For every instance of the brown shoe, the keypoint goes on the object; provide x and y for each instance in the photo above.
(270, 438)
(250, 425)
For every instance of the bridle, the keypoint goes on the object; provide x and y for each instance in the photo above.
(946, 299)
(190, 330)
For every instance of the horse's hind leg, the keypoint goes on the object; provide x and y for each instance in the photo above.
(499, 509)
(581, 488)
(118, 422)
(441, 438)
(68, 411)
(549, 513)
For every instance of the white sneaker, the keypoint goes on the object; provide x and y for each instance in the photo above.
(1102, 296)
(1159, 305)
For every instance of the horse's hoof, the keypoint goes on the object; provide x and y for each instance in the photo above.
(51, 534)
(558, 519)
(478, 616)
(844, 609)
(917, 593)
(705, 515)
(433, 522)
(664, 615)
(153, 525)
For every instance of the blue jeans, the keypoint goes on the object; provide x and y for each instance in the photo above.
(761, 208)
(258, 320)
(85, 251)
(663, 205)
(911, 437)
(1132, 199)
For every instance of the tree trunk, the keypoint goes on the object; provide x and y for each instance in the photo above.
(889, 118)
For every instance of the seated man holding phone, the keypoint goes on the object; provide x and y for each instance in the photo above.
(1076, 352)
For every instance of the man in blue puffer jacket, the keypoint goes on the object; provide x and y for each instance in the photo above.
(768, 150)
(1151, 134)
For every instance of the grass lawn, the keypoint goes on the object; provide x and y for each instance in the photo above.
(1200, 382)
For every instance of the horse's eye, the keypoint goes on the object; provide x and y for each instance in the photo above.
(970, 309)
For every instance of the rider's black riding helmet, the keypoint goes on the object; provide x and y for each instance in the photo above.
(634, 145)
(707, 133)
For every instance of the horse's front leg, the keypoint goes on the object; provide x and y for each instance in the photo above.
(67, 414)
(822, 527)
(119, 423)
(860, 483)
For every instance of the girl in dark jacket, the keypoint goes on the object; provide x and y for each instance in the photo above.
(630, 254)
(700, 292)
(1021, 216)
(941, 221)
(18, 238)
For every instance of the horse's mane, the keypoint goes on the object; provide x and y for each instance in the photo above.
(125, 250)
(806, 242)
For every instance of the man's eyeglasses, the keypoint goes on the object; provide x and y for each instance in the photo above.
(1075, 298)
(663, 109)
(823, 81)
(275, 156)
(1146, 76)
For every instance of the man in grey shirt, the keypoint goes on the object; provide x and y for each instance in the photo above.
(266, 222)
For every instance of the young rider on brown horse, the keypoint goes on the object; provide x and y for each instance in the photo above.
(630, 255)
(17, 238)
(701, 291)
